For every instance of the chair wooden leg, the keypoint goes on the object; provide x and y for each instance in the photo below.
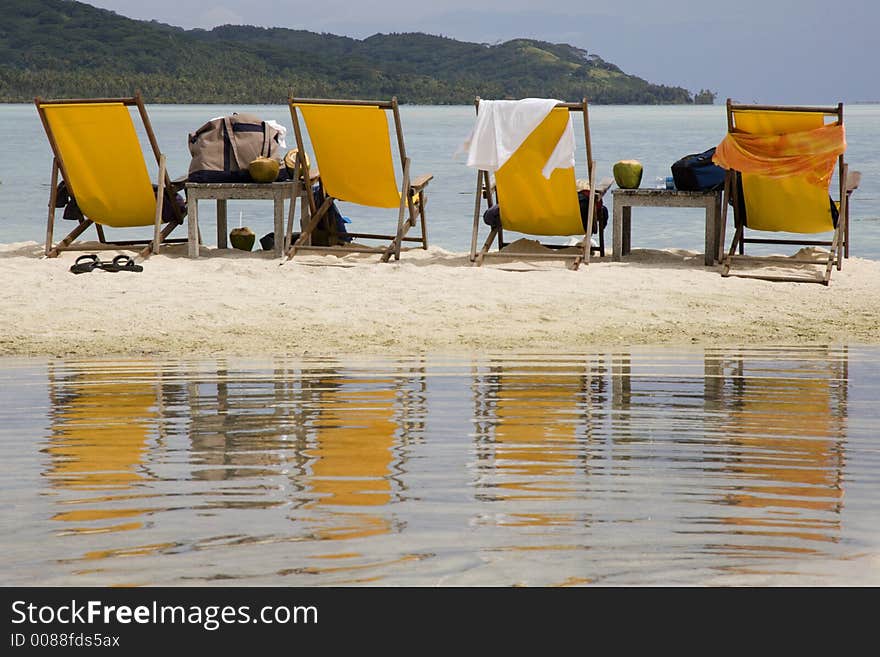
(306, 235)
(423, 200)
(394, 247)
(148, 250)
(160, 199)
(478, 261)
(291, 212)
(737, 242)
(722, 228)
(63, 244)
(478, 202)
(587, 247)
(53, 198)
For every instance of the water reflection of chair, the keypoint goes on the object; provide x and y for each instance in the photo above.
(336, 434)
(785, 427)
(532, 426)
(354, 455)
(102, 420)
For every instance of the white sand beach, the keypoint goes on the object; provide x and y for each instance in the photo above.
(236, 303)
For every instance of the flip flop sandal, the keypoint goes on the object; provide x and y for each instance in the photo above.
(85, 263)
(121, 262)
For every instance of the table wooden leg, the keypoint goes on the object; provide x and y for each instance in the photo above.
(221, 223)
(192, 221)
(716, 236)
(616, 232)
(627, 229)
(279, 224)
(711, 241)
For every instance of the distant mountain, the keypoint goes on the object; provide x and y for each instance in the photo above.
(62, 48)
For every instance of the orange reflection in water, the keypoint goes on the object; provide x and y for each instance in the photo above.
(352, 456)
(785, 427)
(531, 417)
(101, 426)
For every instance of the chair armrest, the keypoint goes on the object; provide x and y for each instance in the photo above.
(601, 187)
(604, 185)
(421, 182)
(853, 180)
(178, 183)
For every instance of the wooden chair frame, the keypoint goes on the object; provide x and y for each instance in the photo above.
(486, 190)
(839, 243)
(166, 189)
(413, 197)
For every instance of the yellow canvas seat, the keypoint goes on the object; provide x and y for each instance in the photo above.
(352, 149)
(531, 204)
(782, 192)
(97, 152)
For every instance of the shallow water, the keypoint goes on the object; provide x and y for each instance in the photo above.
(655, 135)
(642, 466)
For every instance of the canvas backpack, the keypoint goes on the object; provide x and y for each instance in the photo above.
(223, 147)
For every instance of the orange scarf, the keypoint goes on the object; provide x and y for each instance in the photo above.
(810, 154)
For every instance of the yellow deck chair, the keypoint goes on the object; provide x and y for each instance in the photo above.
(352, 148)
(791, 204)
(534, 205)
(97, 152)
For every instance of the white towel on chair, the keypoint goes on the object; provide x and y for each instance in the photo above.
(503, 125)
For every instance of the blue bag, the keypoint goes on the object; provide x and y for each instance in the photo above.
(697, 173)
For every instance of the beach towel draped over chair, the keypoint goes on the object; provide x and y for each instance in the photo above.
(780, 162)
(98, 154)
(355, 162)
(536, 189)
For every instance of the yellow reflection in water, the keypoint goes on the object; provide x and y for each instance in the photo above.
(352, 456)
(101, 423)
(785, 424)
(531, 417)
(102, 420)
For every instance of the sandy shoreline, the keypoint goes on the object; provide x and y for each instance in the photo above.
(235, 303)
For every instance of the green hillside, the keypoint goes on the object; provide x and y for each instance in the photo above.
(61, 48)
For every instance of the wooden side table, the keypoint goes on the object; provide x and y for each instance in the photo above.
(278, 192)
(626, 199)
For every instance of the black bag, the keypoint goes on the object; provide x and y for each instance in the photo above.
(697, 173)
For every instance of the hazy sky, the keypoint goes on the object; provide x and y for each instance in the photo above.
(775, 51)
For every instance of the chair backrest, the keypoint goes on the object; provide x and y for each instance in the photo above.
(352, 147)
(529, 202)
(790, 204)
(97, 149)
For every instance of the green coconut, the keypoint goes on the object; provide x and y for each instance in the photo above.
(628, 174)
(242, 238)
(264, 169)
